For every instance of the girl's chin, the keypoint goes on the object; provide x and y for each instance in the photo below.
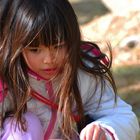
(49, 75)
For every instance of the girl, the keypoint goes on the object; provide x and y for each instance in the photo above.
(51, 80)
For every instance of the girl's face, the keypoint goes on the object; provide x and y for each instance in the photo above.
(45, 61)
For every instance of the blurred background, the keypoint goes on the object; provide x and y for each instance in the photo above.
(117, 21)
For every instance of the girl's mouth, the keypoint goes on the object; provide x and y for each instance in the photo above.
(51, 69)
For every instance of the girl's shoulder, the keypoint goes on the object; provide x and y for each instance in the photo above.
(83, 75)
(85, 79)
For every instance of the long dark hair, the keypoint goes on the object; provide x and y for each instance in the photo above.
(47, 22)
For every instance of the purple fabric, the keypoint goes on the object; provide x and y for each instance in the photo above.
(34, 130)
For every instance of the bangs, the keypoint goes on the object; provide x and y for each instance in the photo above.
(48, 36)
(48, 29)
(52, 24)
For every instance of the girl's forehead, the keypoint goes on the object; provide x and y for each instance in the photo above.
(60, 43)
(52, 44)
(47, 38)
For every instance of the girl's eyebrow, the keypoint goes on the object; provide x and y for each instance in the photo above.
(32, 47)
(62, 43)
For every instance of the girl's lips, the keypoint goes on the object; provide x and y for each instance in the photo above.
(51, 69)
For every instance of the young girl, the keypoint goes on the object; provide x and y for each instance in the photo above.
(53, 85)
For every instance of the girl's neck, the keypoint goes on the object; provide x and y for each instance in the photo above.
(36, 76)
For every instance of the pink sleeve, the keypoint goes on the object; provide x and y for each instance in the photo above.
(96, 52)
(1, 89)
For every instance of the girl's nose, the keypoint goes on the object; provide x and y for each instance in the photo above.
(48, 57)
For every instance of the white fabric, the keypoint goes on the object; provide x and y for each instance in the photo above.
(117, 118)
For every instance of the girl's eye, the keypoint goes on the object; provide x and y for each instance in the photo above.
(35, 50)
(59, 46)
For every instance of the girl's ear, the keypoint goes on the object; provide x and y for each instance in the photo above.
(2, 94)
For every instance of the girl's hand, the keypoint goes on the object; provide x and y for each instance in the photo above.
(92, 132)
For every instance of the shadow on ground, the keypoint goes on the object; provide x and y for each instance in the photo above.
(87, 10)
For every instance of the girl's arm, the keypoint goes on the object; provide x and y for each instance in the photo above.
(118, 119)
